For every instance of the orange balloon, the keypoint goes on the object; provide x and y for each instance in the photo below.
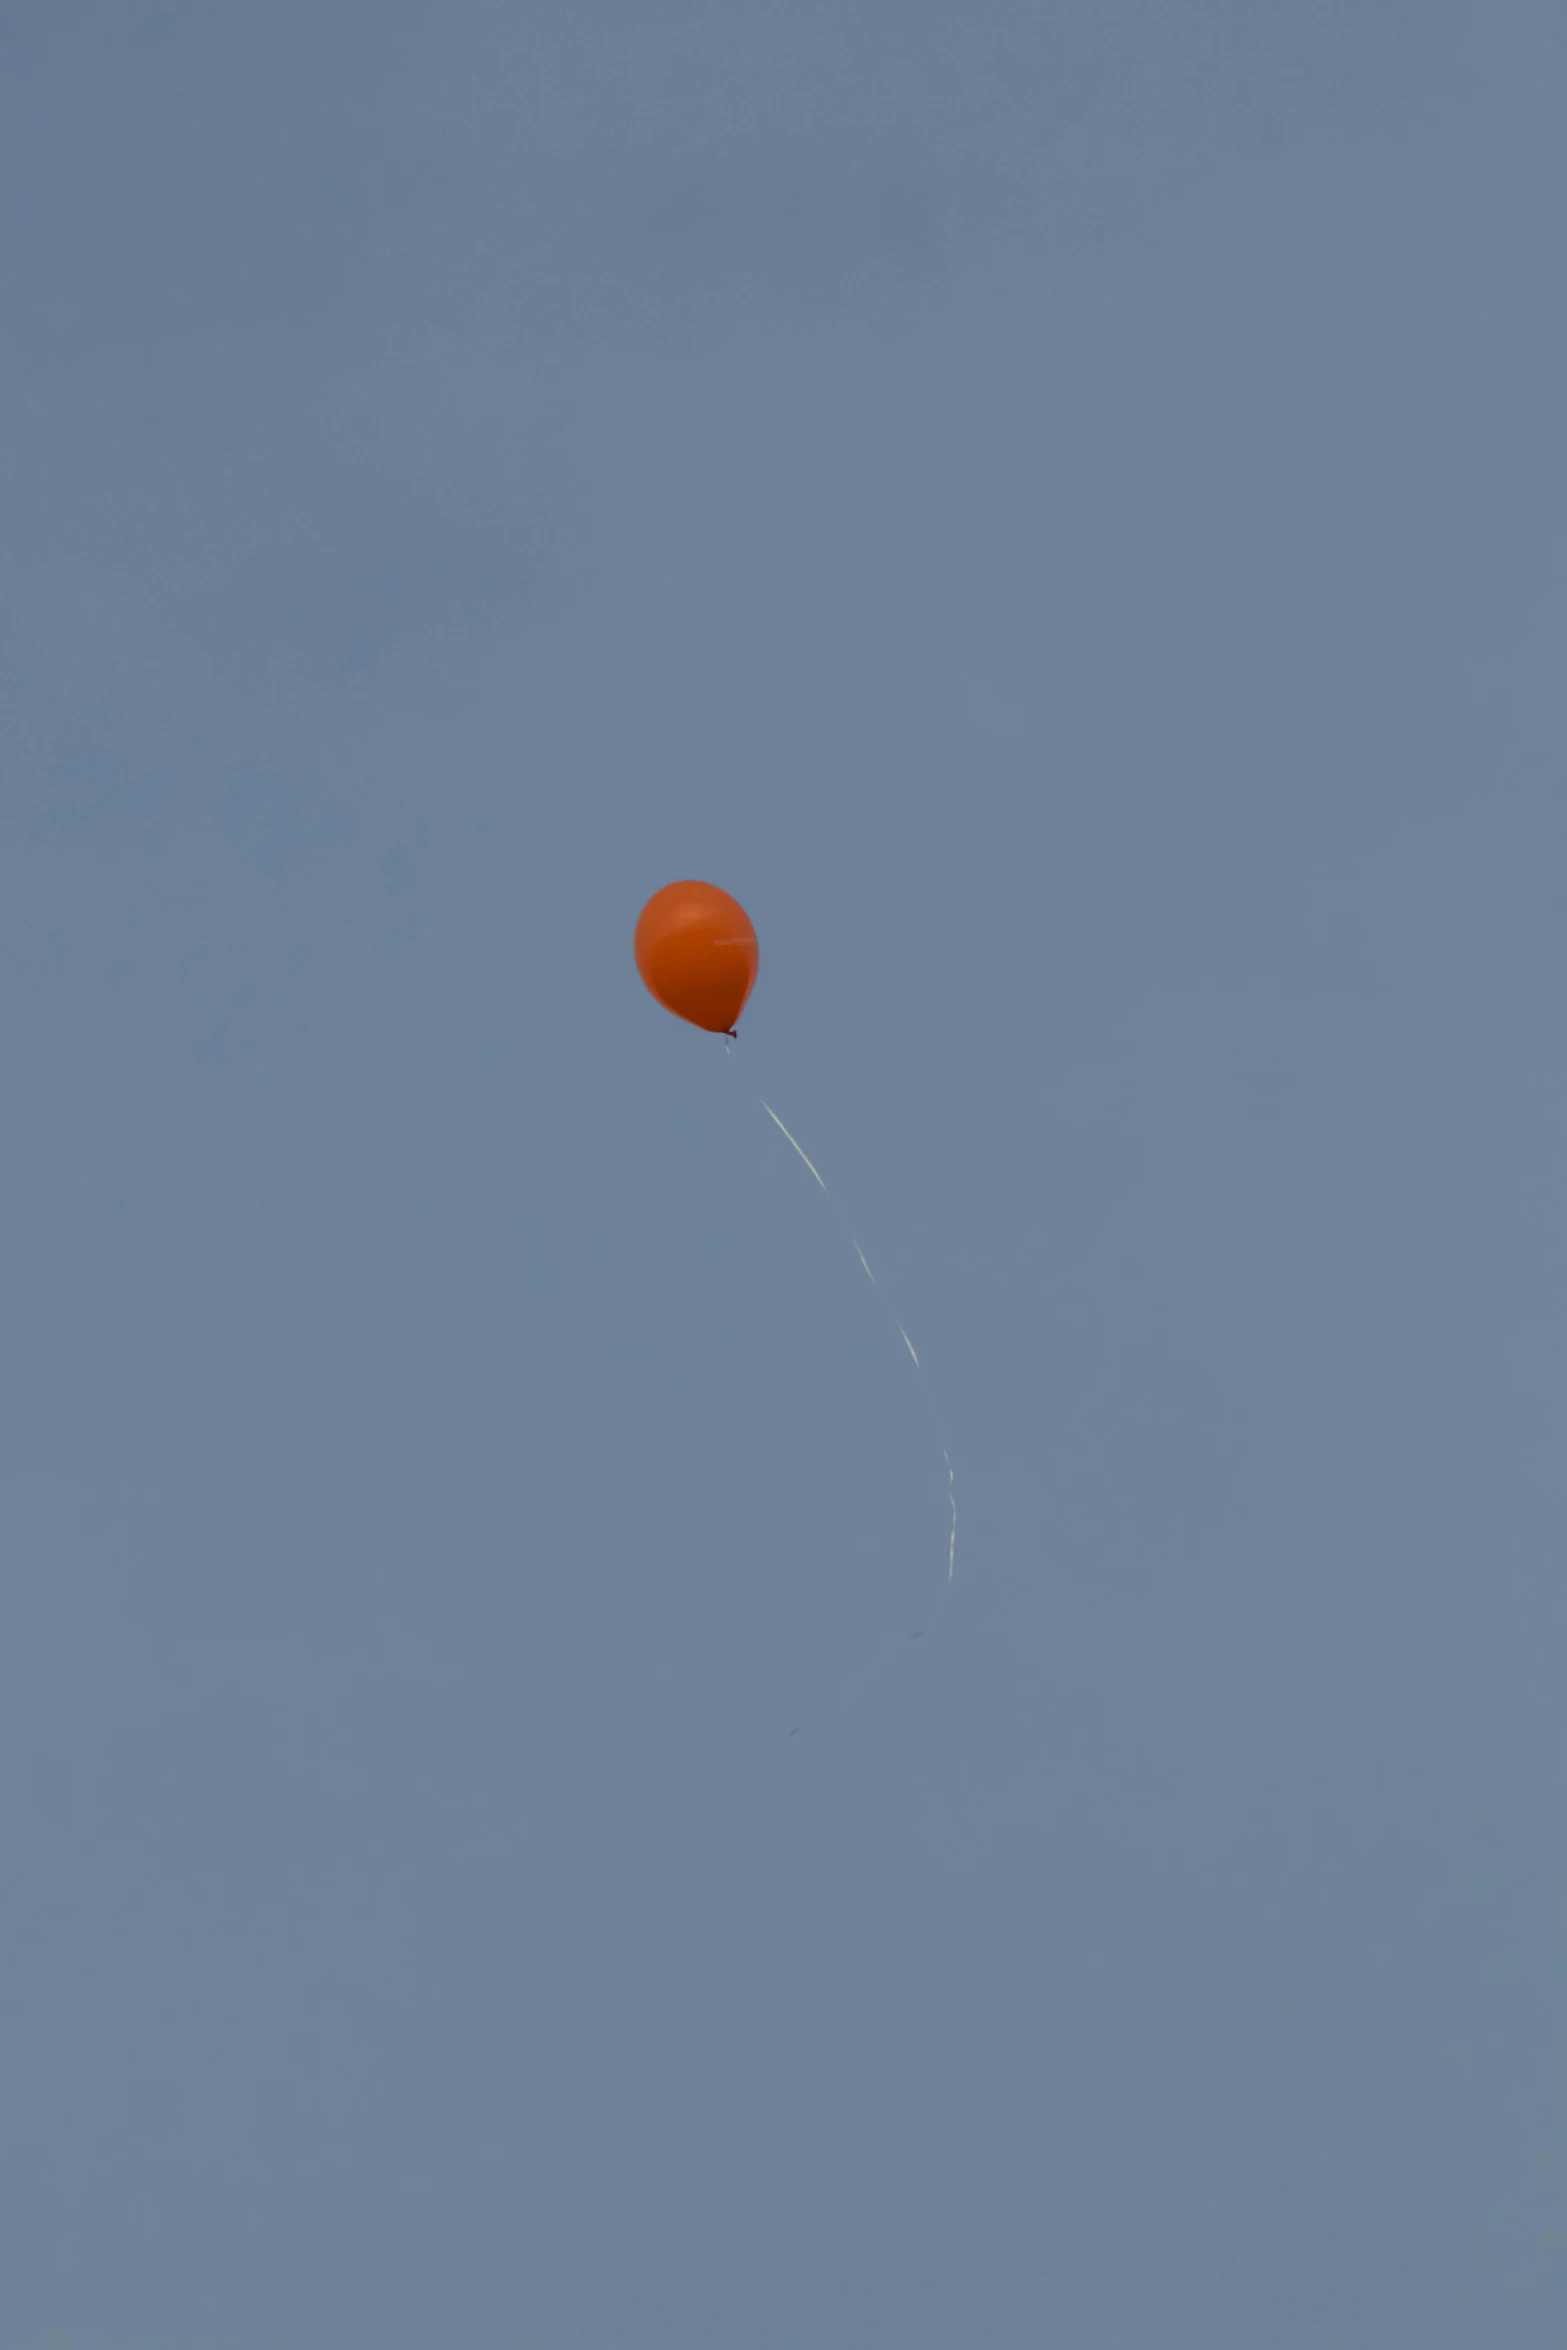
(697, 952)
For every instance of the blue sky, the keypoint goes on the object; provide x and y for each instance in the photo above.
(1062, 513)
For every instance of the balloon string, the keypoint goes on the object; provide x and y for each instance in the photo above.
(888, 1647)
(952, 1497)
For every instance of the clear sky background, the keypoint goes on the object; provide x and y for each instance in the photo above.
(1061, 509)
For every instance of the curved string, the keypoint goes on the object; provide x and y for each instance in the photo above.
(908, 1638)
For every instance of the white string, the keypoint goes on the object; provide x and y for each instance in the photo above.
(952, 1497)
(815, 1170)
